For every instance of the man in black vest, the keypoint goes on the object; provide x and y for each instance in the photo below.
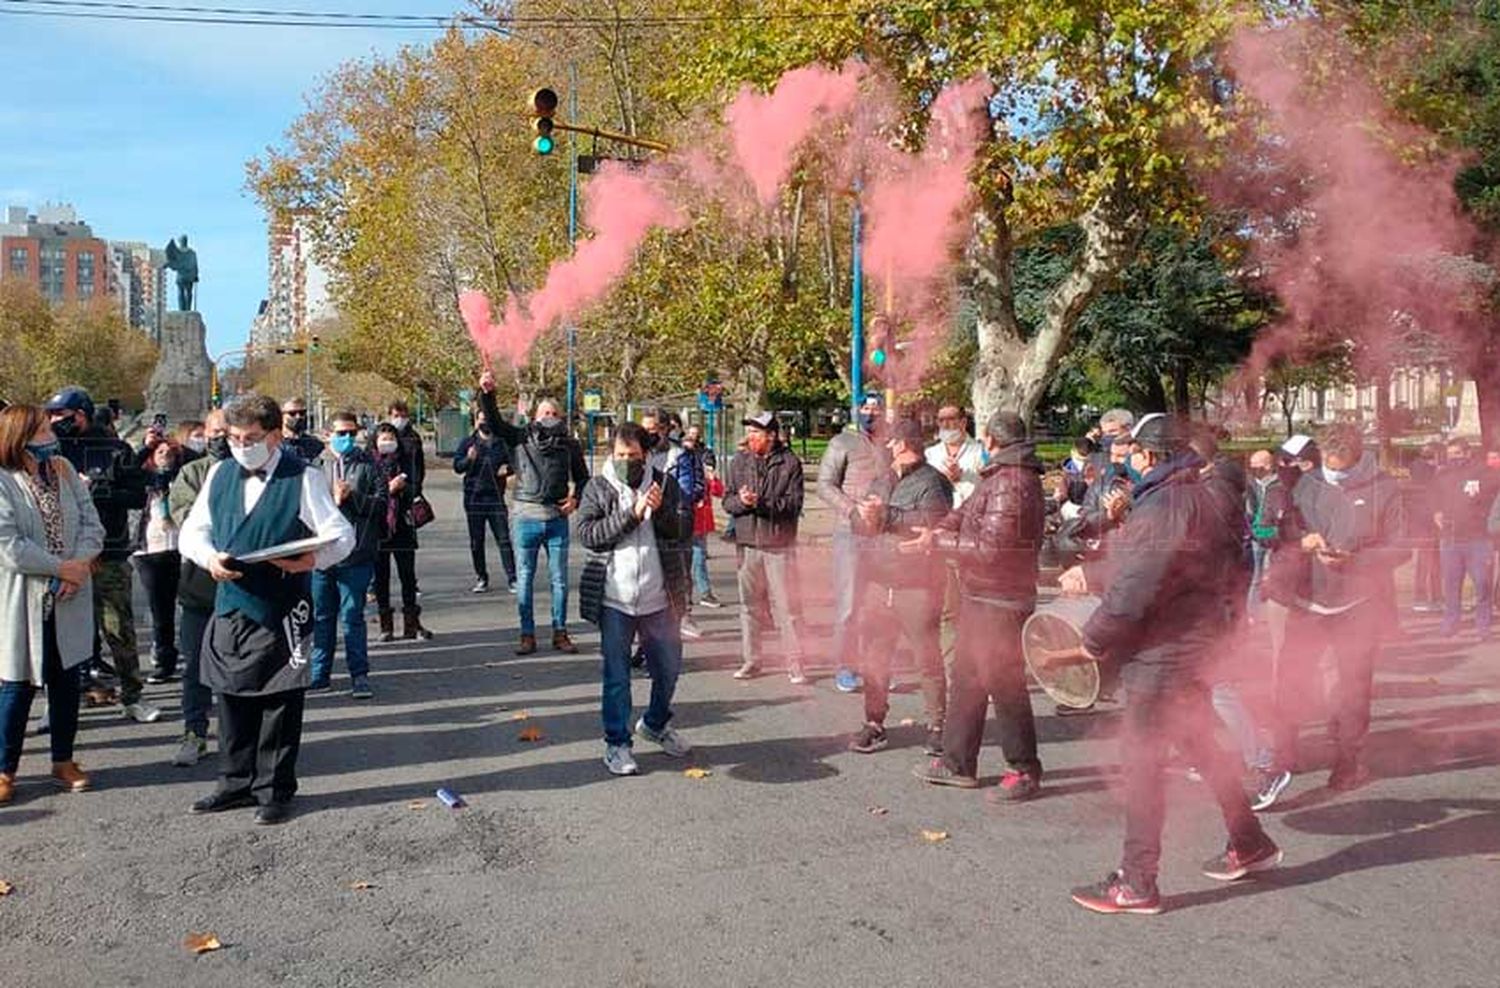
(256, 649)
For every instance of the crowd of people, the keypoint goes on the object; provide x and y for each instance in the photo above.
(256, 542)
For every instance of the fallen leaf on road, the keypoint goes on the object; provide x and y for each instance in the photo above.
(934, 836)
(521, 715)
(417, 804)
(202, 943)
(1432, 681)
(532, 733)
(1487, 857)
(878, 811)
(6, 888)
(363, 886)
(697, 773)
(908, 722)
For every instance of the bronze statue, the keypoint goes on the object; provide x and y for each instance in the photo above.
(184, 260)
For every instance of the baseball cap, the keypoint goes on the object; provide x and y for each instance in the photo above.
(763, 420)
(71, 400)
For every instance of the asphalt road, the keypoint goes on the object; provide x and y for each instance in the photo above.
(793, 863)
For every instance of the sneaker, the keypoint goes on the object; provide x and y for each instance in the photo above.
(671, 742)
(1015, 787)
(1425, 607)
(1115, 895)
(1348, 774)
(159, 676)
(747, 670)
(527, 645)
(510, 588)
(359, 689)
(190, 750)
(7, 788)
(480, 586)
(870, 739)
(141, 712)
(638, 658)
(796, 675)
(619, 760)
(937, 772)
(68, 777)
(562, 642)
(934, 744)
(320, 686)
(44, 726)
(1272, 785)
(690, 629)
(847, 681)
(711, 602)
(1233, 865)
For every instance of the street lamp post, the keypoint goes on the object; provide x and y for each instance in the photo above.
(572, 331)
(857, 310)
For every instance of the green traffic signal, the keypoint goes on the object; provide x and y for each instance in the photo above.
(543, 144)
(877, 357)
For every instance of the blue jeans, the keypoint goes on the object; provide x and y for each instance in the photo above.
(1260, 557)
(62, 706)
(662, 642)
(1474, 559)
(701, 586)
(845, 635)
(339, 595)
(531, 535)
(197, 699)
(1254, 744)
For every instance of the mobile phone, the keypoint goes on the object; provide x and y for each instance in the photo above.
(160, 421)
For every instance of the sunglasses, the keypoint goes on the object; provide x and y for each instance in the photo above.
(346, 432)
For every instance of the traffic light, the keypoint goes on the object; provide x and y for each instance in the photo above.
(543, 109)
(882, 344)
(316, 343)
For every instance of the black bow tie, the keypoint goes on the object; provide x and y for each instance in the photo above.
(247, 474)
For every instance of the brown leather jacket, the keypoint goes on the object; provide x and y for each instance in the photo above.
(996, 536)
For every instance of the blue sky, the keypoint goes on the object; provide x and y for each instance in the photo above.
(146, 128)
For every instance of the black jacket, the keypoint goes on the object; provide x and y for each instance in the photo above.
(413, 459)
(996, 537)
(1364, 518)
(1169, 576)
(777, 479)
(306, 445)
(920, 498)
(545, 465)
(601, 526)
(484, 488)
(366, 507)
(117, 486)
(1464, 494)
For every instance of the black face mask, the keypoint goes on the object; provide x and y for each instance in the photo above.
(651, 440)
(218, 448)
(65, 428)
(1288, 476)
(297, 424)
(483, 430)
(635, 471)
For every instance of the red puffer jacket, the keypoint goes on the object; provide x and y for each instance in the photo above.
(703, 514)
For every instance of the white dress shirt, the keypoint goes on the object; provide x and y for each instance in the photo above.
(317, 511)
(970, 461)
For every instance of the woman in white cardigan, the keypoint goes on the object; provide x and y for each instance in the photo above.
(49, 536)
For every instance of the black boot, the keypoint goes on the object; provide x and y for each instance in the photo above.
(412, 625)
(387, 626)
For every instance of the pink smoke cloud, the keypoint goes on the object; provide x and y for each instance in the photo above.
(621, 207)
(765, 130)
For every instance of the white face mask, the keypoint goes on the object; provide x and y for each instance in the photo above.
(950, 437)
(399, 422)
(251, 457)
(196, 443)
(387, 446)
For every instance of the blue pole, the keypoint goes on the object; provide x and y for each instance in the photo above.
(572, 224)
(857, 311)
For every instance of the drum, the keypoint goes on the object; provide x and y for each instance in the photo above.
(1057, 626)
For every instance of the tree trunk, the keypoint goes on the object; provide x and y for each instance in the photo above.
(1486, 374)
(1010, 371)
(1182, 397)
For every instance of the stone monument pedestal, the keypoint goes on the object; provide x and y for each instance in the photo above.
(181, 384)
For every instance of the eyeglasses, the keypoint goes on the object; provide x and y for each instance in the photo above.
(346, 432)
(245, 442)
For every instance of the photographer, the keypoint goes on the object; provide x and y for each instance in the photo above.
(115, 482)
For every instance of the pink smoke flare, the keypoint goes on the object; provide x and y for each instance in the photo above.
(766, 129)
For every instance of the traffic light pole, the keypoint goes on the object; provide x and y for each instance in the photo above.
(857, 311)
(572, 231)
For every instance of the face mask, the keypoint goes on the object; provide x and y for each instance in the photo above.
(387, 446)
(343, 445)
(651, 442)
(675, 435)
(297, 424)
(218, 448)
(484, 429)
(251, 457)
(399, 422)
(1135, 475)
(42, 452)
(984, 456)
(197, 444)
(1335, 477)
(866, 422)
(65, 428)
(549, 423)
(950, 437)
(635, 471)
